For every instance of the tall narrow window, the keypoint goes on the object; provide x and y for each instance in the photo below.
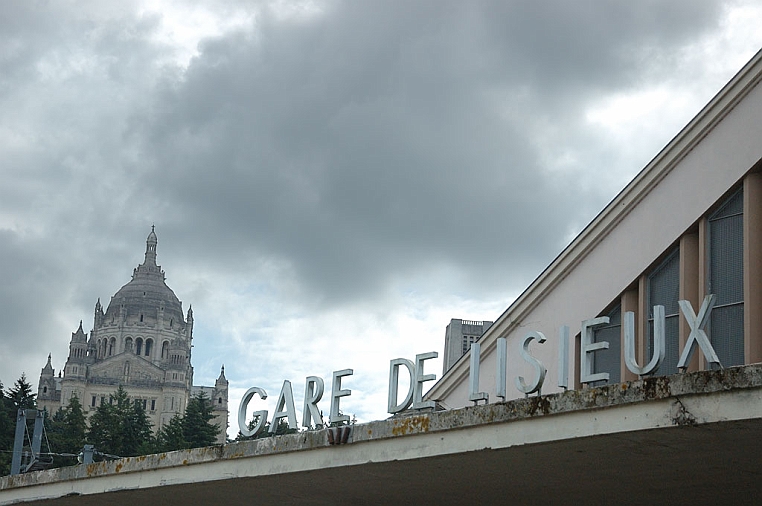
(149, 345)
(725, 248)
(138, 346)
(609, 360)
(664, 290)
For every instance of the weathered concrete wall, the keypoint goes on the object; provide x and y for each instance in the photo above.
(681, 400)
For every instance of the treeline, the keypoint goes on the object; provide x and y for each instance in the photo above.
(119, 427)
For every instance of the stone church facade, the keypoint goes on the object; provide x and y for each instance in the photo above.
(142, 341)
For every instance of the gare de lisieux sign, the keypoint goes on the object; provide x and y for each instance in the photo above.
(315, 387)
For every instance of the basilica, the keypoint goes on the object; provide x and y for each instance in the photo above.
(142, 341)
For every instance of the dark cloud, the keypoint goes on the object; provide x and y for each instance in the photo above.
(368, 139)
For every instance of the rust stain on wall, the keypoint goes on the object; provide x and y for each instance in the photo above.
(410, 425)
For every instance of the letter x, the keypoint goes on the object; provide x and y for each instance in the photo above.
(697, 334)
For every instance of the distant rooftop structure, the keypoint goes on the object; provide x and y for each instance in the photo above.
(459, 336)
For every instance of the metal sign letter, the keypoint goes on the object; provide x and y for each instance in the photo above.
(473, 378)
(697, 334)
(394, 375)
(313, 392)
(262, 414)
(539, 368)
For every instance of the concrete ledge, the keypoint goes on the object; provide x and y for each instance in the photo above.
(689, 399)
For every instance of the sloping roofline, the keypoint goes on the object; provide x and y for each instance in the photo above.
(625, 201)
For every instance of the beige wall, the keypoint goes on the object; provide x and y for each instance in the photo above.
(688, 179)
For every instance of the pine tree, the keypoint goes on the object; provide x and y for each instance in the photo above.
(7, 432)
(171, 436)
(105, 429)
(282, 428)
(136, 430)
(21, 394)
(120, 427)
(197, 430)
(76, 425)
(66, 432)
(265, 432)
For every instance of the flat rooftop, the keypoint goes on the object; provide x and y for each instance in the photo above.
(691, 437)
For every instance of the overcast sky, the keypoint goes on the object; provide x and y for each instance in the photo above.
(331, 181)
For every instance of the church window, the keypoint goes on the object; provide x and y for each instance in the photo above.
(128, 344)
(725, 273)
(92, 401)
(111, 346)
(138, 346)
(149, 345)
(44, 389)
(164, 349)
(171, 322)
(153, 404)
(141, 316)
(219, 401)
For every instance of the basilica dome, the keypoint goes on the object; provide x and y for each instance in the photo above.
(147, 295)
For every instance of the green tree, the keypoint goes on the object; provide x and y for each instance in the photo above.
(197, 429)
(283, 428)
(7, 432)
(21, 394)
(105, 429)
(171, 436)
(120, 427)
(66, 432)
(137, 437)
(253, 423)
